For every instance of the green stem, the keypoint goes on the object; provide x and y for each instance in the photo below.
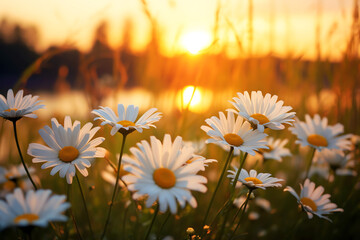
(237, 176)
(238, 211)
(242, 213)
(218, 213)
(218, 184)
(124, 221)
(72, 214)
(152, 222)
(66, 234)
(21, 156)
(115, 187)
(163, 224)
(232, 193)
(76, 226)
(85, 206)
(294, 228)
(310, 162)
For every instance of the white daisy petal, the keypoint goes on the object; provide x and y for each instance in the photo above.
(263, 112)
(68, 146)
(253, 180)
(231, 132)
(34, 209)
(14, 108)
(125, 121)
(317, 134)
(313, 201)
(164, 172)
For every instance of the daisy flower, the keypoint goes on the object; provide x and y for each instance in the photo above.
(34, 209)
(259, 201)
(199, 162)
(263, 112)
(276, 149)
(337, 160)
(235, 133)
(159, 171)
(13, 108)
(13, 177)
(125, 121)
(253, 180)
(318, 134)
(312, 200)
(68, 146)
(109, 173)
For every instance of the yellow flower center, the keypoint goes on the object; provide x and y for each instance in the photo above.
(308, 202)
(190, 160)
(30, 217)
(253, 179)
(233, 139)
(317, 140)
(260, 117)
(164, 178)
(126, 123)
(68, 154)
(9, 110)
(9, 185)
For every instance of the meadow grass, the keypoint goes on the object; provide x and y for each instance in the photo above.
(321, 86)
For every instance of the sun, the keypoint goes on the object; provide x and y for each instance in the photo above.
(195, 99)
(195, 41)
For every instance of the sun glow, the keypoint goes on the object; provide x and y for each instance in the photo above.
(195, 99)
(195, 41)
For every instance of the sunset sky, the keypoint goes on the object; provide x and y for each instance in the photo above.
(280, 25)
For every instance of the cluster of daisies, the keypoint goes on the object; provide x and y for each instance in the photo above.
(244, 133)
(163, 172)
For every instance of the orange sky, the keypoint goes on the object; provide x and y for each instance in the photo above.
(281, 25)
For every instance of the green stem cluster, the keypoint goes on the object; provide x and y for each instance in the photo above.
(85, 206)
(218, 184)
(21, 156)
(242, 213)
(232, 194)
(115, 187)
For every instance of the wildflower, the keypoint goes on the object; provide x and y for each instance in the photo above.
(158, 171)
(318, 134)
(276, 149)
(125, 122)
(253, 180)
(261, 202)
(236, 133)
(68, 147)
(337, 160)
(13, 108)
(34, 209)
(321, 170)
(198, 162)
(190, 231)
(312, 200)
(207, 229)
(263, 112)
(13, 177)
(109, 174)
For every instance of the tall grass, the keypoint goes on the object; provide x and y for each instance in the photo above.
(303, 84)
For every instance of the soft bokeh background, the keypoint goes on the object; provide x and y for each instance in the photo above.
(188, 59)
